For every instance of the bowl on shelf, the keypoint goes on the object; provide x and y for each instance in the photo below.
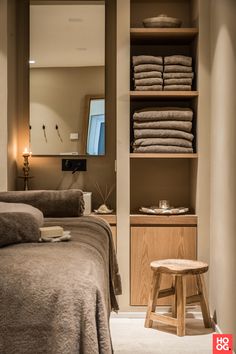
(162, 21)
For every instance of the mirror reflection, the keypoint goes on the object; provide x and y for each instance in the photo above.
(67, 78)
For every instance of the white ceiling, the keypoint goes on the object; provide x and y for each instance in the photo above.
(67, 35)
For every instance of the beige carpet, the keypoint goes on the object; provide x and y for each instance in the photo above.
(130, 336)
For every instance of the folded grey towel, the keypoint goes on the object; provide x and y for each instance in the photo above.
(178, 75)
(163, 113)
(146, 59)
(177, 88)
(149, 88)
(177, 69)
(178, 59)
(147, 74)
(163, 141)
(19, 223)
(148, 67)
(178, 125)
(184, 81)
(162, 133)
(61, 203)
(149, 81)
(162, 149)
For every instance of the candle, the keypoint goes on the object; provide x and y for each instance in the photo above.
(26, 153)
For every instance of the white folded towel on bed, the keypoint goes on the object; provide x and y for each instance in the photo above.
(66, 236)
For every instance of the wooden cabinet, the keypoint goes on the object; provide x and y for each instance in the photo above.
(154, 242)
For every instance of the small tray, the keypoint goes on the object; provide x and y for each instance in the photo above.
(167, 211)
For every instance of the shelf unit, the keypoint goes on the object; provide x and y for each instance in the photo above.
(155, 176)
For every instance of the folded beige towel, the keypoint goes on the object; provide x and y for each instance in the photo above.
(178, 59)
(147, 74)
(147, 59)
(149, 88)
(178, 75)
(149, 81)
(147, 67)
(177, 88)
(178, 125)
(162, 149)
(184, 81)
(177, 69)
(162, 133)
(163, 113)
(163, 141)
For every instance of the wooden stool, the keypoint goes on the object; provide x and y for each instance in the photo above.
(179, 269)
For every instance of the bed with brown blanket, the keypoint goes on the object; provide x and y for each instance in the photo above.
(56, 298)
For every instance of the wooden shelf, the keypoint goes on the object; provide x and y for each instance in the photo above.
(163, 35)
(162, 95)
(143, 219)
(110, 218)
(135, 155)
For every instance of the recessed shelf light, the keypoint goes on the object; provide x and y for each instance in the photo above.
(31, 61)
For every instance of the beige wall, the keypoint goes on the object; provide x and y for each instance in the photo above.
(58, 97)
(223, 164)
(47, 170)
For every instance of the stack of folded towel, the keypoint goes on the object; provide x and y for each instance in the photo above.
(148, 73)
(163, 130)
(178, 73)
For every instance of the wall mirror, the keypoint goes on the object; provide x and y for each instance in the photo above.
(67, 78)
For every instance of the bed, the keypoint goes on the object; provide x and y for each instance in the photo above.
(56, 298)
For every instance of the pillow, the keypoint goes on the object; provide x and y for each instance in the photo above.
(19, 223)
(52, 203)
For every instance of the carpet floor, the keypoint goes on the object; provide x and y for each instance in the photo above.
(130, 336)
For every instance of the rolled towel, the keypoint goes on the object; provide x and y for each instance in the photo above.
(53, 203)
(149, 88)
(163, 141)
(177, 69)
(148, 67)
(178, 75)
(163, 113)
(148, 74)
(177, 88)
(185, 81)
(146, 59)
(162, 149)
(178, 125)
(149, 81)
(162, 133)
(178, 59)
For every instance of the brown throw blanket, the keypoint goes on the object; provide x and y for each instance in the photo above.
(146, 59)
(148, 67)
(163, 141)
(68, 202)
(148, 74)
(162, 149)
(179, 125)
(55, 298)
(162, 133)
(178, 59)
(163, 113)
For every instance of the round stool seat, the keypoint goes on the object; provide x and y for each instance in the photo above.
(179, 266)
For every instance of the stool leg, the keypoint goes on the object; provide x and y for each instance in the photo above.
(174, 298)
(155, 287)
(181, 299)
(204, 301)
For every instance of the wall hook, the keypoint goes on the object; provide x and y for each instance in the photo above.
(58, 132)
(44, 132)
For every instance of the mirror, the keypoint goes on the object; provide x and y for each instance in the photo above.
(67, 78)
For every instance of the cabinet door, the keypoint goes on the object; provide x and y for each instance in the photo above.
(151, 243)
